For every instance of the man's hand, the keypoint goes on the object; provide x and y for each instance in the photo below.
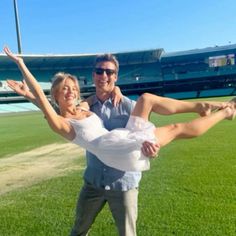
(150, 150)
(116, 96)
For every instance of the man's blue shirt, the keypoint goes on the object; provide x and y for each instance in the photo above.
(99, 174)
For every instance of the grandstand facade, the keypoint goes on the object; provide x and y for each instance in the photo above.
(208, 72)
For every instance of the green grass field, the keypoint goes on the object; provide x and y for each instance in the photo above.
(190, 189)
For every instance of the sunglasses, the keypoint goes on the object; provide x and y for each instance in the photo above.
(100, 71)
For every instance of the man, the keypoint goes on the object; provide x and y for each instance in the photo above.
(103, 184)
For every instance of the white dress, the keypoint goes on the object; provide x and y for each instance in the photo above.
(118, 148)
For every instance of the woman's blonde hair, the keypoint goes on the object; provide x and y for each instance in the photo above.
(58, 81)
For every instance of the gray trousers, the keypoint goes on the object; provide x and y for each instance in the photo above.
(123, 206)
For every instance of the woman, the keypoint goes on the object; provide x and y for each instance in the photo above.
(79, 125)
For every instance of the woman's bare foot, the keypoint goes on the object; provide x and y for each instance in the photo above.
(230, 113)
(232, 103)
(206, 108)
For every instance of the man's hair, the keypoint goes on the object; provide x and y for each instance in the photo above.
(107, 58)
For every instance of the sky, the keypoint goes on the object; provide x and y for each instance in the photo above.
(99, 26)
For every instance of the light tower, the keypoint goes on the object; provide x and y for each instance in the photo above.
(17, 27)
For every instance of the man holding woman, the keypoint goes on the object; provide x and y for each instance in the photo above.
(102, 183)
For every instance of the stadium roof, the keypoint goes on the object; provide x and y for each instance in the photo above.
(80, 60)
(196, 52)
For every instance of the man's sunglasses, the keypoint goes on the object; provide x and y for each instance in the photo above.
(100, 71)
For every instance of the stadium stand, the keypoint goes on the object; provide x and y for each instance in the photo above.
(187, 74)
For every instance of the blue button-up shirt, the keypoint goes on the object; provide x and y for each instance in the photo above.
(97, 173)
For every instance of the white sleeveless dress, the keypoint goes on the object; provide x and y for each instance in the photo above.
(118, 148)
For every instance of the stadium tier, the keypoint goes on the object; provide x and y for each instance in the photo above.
(195, 73)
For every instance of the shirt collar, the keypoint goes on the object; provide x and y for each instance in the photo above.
(95, 100)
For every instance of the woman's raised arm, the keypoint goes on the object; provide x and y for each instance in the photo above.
(56, 122)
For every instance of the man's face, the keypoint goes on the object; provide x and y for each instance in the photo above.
(105, 76)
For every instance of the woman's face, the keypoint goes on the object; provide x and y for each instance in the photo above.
(68, 92)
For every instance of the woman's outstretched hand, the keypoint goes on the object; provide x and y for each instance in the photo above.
(12, 56)
(20, 88)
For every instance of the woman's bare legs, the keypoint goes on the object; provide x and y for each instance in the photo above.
(148, 103)
(193, 128)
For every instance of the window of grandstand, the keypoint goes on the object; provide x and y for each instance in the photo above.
(223, 60)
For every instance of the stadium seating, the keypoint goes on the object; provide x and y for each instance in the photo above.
(182, 75)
